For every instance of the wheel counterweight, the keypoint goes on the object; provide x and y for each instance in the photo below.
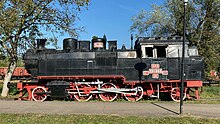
(135, 95)
(108, 96)
(83, 92)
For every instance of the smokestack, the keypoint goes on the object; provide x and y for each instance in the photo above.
(41, 43)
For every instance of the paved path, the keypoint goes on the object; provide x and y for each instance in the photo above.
(109, 108)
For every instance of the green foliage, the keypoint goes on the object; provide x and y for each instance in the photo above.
(1, 85)
(203, 26)
(211, 92)
(99, 119)
(153, 23)
(12, 91)
(95, 37)
(21, 22)
(5, 62)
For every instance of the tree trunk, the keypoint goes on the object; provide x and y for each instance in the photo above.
(7, 78)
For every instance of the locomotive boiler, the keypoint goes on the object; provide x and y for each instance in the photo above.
(85, 70)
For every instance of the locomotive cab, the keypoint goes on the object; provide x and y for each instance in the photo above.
(164, 55)
(160, 47)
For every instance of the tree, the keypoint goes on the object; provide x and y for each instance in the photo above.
(203, 25)
(21, 21)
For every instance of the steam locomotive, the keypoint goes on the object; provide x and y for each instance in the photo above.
(82, 73)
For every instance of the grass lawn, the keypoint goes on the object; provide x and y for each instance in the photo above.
(211, 92)
(100, 119)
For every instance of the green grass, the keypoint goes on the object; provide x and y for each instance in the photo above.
(100, 119)
(211, 92)
(203, 101)
(209, 95)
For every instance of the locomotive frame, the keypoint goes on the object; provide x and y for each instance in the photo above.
(82, 73)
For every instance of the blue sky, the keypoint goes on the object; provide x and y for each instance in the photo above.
(112, 18)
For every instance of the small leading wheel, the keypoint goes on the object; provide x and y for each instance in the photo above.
(175, 94)
(39, 94)
(83, 92)
(108, 96)
(135, 95)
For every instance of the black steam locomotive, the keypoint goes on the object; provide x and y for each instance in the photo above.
(81, 72)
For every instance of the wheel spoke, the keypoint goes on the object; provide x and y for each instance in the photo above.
(108, 96)
(134, 95)
(175, 94)
(83, 93)
(39, 94)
